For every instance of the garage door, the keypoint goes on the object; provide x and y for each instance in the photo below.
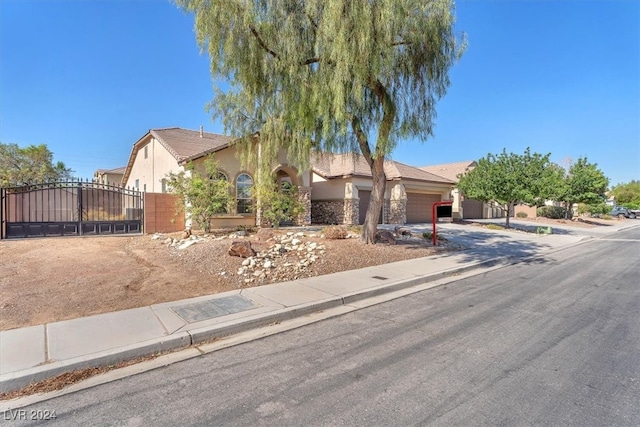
(419, 207)
(472, 209)
(365, 196)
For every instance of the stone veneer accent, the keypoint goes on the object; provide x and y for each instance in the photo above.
(343, 211)
(351, 211)
(304, 195)
(397, 212)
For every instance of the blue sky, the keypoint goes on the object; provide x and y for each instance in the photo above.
(89, 78)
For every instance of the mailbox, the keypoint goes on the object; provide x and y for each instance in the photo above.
(444, 211)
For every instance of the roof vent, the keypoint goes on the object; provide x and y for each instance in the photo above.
(201, 132)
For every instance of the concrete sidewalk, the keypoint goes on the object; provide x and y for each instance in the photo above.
(34, 353)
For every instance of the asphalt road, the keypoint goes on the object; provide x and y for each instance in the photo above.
(552, 341)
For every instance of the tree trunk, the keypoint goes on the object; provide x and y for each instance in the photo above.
(376, 201)
(509, 209)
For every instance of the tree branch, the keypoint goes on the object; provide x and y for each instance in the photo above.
(362, 140)
(262, 43)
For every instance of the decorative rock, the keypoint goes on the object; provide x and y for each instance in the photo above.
(168, 241)
(385, 236)
(246, 262)
(299, 234)
(267, 264)
(242, 249)
(187, 243)
(186, 233)
(296, 242)
(257, 273)
(402, 231)
(264, 234)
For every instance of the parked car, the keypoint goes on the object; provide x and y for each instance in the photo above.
(622, 212)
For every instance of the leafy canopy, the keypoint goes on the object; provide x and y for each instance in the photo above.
(202, 193)
(510, 178)
(328, 75)
(585, 183)
(628, 194)
(29, 165)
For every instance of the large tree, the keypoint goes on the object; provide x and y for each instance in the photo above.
(32, 164)
(583, 183)
(509, 178)
(328, 75)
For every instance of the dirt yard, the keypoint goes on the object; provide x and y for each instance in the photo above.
(51, 279)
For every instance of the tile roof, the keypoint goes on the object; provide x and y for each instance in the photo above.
(330, 165)
(185, 144)
(450, 170)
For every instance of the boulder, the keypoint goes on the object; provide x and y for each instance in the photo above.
(402, 231)
(242, 249)
(385, 236)
(186, 234)
(264, 234)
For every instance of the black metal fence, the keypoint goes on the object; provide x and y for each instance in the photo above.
(69, 208)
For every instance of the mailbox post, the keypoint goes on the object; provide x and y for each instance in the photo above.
(434, 217)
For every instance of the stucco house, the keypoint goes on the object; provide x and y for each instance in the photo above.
(335, 190)
(163, 151)
(341, 186)
(109, 176)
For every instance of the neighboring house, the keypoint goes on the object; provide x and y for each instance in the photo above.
(341, 187)
(109, 176)
(464, 208)
(452, 171)
(163, 151)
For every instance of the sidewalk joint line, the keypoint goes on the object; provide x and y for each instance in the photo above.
(46, 343)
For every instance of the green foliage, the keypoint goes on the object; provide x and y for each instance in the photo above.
(522, 215)
(279, 204)
(553, 212)
(628, 194)
(29, 165)
(203, 194)
(327, 75)
(595, 209)
(584, 183)
(509, 178)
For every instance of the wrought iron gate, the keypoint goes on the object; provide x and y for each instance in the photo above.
(69, 208)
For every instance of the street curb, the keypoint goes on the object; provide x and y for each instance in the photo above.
(16, 380)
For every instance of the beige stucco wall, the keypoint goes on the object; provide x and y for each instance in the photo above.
(151, 171)
(323, 189)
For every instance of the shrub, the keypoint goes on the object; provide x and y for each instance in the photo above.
(279, 204)
(553, 212)
(495, 227)
(427, 235)
(593, 210)
(335, 232)
(522, 215)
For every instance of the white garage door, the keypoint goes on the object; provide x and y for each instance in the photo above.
(419, 207)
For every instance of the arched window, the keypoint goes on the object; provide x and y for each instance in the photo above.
(244, 184)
